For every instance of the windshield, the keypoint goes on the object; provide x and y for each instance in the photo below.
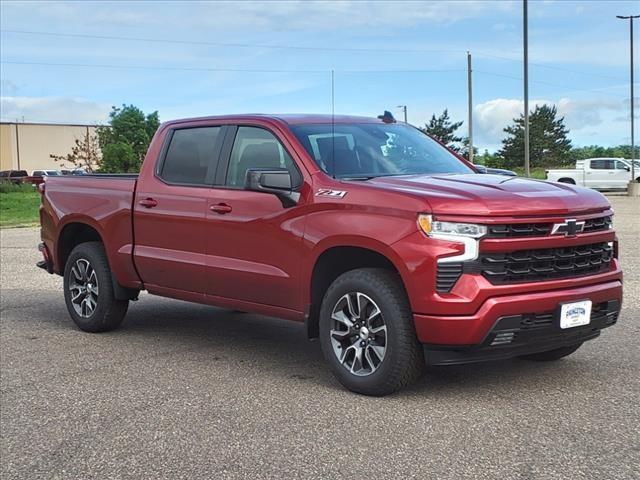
(374, 150)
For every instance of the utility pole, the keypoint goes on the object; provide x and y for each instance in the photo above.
(525, 28)
(404, 109)
(633, 189)
(470, 107)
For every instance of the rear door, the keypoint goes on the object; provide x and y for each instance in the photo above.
(599, 173)
(254, 241)
(170, 210)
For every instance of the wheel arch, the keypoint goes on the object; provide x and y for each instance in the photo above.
(72, 234)
(332, 261)
(78, 231)
(567, 180)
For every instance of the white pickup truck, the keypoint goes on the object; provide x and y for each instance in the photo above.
(597, 173)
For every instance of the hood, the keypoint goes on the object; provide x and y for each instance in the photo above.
(479, 194)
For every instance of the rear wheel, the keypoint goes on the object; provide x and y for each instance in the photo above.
(88, 290)
(551, 355)
(367, 333)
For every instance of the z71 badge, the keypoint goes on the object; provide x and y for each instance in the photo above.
(327, 192)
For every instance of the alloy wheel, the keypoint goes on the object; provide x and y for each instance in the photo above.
(358, 333)
(83, 286)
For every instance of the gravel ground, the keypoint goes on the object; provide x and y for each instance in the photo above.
(188, 391)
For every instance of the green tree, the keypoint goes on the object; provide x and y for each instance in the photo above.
(548, 142)
(125, 140)
(85, 154)
(119, 157)
(595, 151)
(444, 130)
(464, 150)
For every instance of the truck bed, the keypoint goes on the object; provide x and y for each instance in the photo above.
(102, 201)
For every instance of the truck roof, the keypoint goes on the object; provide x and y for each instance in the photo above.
(289, 118)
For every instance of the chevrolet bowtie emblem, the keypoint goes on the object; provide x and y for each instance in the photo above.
(569, 228)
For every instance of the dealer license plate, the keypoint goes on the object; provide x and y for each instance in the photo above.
(575, 314)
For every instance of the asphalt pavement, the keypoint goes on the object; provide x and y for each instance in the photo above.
(184, 391)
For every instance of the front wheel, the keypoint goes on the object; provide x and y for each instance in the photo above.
(552, 355)
(367, 333)
(88, 290)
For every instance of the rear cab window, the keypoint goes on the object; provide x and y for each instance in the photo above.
(192, 155)
(602, 164)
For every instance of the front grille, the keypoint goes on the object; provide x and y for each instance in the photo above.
(519, 230)
(516, 230)
(597, 224)
(543, 264)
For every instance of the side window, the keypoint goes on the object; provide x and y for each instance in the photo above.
(599, 164)
(191, 156)
(257, 148)
(621, 165)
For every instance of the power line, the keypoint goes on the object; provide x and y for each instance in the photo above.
(293, 47)
(206, 69)
(550, 67)
(552, 84)
(225, 44)
(158, 67)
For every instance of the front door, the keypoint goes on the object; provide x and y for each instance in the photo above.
(170, 211)
(254, 242)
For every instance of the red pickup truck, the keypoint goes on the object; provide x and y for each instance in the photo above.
(391, 249)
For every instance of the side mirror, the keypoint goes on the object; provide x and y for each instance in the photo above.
(628, 169)
(272, 180)
(269, 181)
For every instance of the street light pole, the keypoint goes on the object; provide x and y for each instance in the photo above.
(404, 109)
(632, 188)
(525, 32)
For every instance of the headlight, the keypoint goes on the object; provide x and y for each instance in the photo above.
(434, 228)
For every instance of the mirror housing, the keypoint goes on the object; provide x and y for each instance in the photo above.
(276, 181)
(628, 169)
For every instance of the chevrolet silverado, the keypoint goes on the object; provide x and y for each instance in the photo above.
(394, 252)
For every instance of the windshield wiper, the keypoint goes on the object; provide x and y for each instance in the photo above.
(358, 179)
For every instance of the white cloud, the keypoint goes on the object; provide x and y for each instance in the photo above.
(53, 109)
(581, 116)
(289, 15)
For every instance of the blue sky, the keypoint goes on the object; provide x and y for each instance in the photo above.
(195, 58)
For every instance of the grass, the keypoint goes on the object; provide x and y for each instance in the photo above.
(537, 172)
(18, 205)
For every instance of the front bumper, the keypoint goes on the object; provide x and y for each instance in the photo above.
(453, 331)
(517, 335)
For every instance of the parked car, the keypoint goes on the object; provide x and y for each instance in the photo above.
(37, 176)
(597, 173)
(495, 171)
(13, 176)
(393, 251)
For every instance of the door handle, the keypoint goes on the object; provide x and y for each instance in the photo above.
(220, 208)
(148, 203)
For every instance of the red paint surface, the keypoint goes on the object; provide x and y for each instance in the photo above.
(260, 255)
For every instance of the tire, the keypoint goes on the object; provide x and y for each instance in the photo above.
(391, 356)
(552, 355)
(88, 290)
